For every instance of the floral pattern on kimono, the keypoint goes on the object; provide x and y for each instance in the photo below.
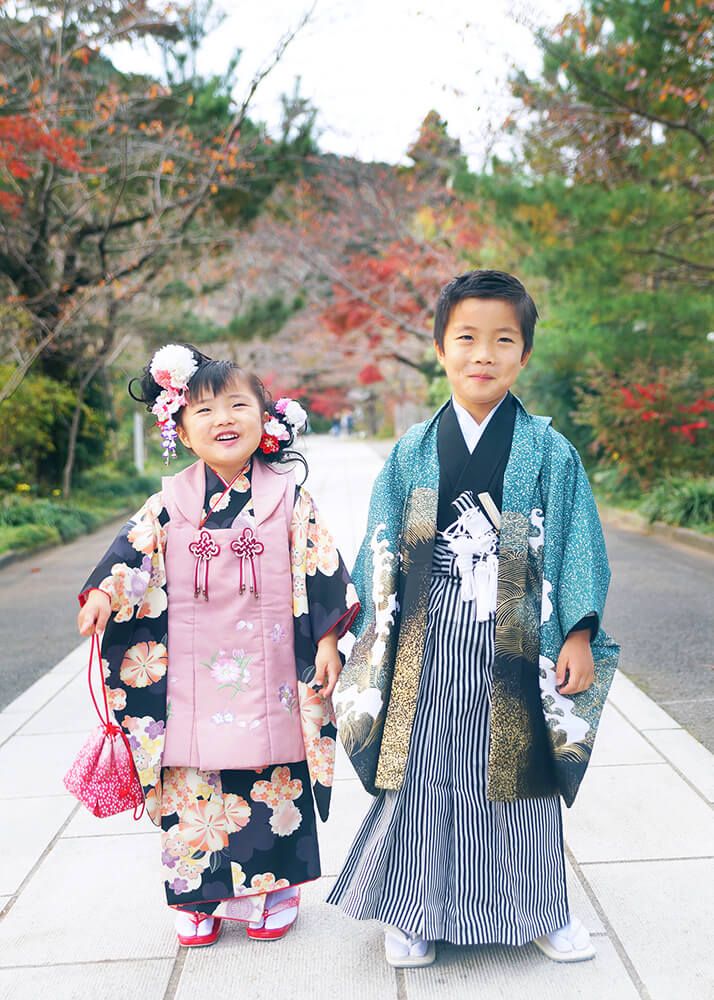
(134, 648)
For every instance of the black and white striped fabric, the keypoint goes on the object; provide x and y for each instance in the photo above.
(436, 858)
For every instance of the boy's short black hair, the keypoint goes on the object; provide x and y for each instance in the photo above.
(486, 285)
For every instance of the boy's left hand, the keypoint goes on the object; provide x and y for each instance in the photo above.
(328, 665)
(577, 659)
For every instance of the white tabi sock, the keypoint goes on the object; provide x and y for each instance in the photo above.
(186, 925)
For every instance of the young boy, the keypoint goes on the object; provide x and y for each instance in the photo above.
(479, 672)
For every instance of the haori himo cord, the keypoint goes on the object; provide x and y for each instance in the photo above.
(221, 604)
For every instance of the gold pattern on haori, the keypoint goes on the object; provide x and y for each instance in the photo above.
(519, 587)
(403, 698)
(419, 524)
(509, 745)
(417, 534)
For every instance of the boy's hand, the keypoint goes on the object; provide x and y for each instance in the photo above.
(94, 615)
(328, 665)
(577, 659)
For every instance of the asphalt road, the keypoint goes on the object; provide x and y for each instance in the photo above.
(661, 610)
(38, 608)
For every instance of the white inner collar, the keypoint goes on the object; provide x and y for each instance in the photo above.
(471, 430)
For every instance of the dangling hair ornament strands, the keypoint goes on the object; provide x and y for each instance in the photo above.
(171, 368)
(289, 418)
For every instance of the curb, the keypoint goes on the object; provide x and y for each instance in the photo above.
(630, 520)
(17, 555)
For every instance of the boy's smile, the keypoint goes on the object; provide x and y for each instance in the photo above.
(483, 353)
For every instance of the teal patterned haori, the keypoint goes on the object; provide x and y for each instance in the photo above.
(553, 571)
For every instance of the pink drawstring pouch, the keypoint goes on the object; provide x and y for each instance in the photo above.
(103, 776)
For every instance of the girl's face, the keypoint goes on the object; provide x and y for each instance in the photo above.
(223, 430)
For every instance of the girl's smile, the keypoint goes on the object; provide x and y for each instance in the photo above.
(223, 430)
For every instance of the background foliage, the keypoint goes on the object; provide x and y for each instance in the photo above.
(137, 210)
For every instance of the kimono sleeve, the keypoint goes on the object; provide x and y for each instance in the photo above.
(322, 587)
(128, 572)
(576, 576)
(576, 565)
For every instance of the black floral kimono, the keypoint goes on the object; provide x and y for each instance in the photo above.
(225, 841)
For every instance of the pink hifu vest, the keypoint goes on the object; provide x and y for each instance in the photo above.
(232, 685)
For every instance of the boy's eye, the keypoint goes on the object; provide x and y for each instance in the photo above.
(239, 404)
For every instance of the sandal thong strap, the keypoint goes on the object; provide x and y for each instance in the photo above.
(292, 902)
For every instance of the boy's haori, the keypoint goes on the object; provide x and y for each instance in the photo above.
(177, 371)
(552, 572)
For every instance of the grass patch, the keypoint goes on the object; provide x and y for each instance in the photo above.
(683, 501)
(103, 494)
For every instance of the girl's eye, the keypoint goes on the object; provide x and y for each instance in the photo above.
(204, 409)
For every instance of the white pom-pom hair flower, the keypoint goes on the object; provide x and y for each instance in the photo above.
(172, 366)
(276, 429)
(293, 412)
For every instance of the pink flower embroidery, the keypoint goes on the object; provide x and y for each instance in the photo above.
(237, 812)
(285, 819)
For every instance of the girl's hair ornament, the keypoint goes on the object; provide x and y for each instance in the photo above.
(289, 420)
(172, 368)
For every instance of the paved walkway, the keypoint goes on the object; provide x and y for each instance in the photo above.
(83, 911)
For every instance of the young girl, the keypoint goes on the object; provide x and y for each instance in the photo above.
(221, 603)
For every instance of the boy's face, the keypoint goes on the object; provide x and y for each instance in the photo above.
(483, 353)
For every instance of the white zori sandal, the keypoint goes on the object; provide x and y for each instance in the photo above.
(407, 951)
(568, 944)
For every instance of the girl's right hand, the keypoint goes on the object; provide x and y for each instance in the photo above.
(94, 614)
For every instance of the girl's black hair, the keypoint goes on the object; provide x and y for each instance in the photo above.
(212, 377)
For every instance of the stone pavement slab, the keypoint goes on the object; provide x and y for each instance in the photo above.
(691, 759)
(663, 914)
(90, 981)
(35, 765)
(28, 826)
(500, 973)
(91, 899)
(637, 812)
(618, 742)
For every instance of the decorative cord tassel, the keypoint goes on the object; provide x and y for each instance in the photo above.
(246, 548)
(204, 549)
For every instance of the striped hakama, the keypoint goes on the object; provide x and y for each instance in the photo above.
(436, 858)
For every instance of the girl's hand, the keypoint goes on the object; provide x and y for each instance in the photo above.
(94, 614)
(328, 665)
(577, 659)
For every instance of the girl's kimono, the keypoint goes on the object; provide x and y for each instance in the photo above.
(219, 598)
(473, 571)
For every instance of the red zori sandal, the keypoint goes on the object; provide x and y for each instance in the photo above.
(196, 930)
(280, 913)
